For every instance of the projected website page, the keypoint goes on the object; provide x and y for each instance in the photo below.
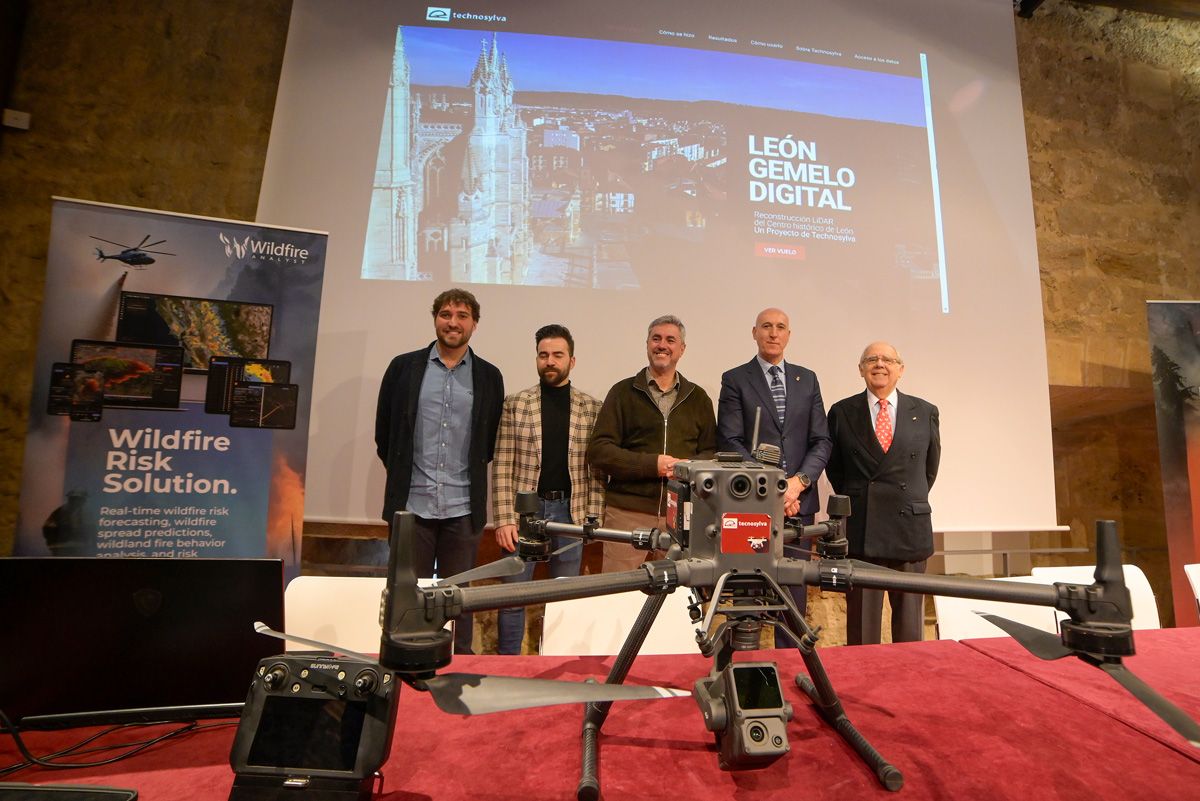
(499, 165)
(860, 164)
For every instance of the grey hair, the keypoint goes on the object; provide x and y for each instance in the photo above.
(668, 319)
(899, 358)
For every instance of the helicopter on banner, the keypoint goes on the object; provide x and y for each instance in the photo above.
(136, 256)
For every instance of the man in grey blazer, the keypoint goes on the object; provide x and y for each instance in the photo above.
(886, 449)
(791, 414)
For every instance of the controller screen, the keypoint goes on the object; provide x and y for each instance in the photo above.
(312, 733)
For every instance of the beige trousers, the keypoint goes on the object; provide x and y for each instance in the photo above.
(619, 556)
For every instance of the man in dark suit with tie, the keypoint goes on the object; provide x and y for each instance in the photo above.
(886, 449)
(787, 399)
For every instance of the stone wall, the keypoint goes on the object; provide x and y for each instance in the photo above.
(1112, 118)
(169, 106)
(158, 105)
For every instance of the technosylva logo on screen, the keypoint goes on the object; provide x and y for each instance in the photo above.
(440, 14)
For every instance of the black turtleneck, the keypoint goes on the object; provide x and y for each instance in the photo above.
(556, 422)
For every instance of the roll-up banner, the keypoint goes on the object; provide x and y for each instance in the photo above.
(1174, 328)
(173, 387)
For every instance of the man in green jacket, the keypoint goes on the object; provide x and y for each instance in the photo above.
(647, 424)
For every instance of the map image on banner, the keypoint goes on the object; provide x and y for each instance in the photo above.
(497, 166)
(205, 327)
(146, 375)
(226, 372)
(76, 391)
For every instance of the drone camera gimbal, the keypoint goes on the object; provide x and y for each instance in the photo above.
(743, 705)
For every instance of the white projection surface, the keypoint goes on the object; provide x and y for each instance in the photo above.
(860, 164)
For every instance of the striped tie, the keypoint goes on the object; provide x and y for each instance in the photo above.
(883, 426)
(777, 392)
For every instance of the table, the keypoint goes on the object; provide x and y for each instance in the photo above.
(976, 719)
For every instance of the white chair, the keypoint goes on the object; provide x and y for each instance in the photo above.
(1193, 575)
(598, 626)
(339, 610)
(956, 618)
(1145, 609)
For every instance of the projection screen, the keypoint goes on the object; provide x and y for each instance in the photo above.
(860, 164)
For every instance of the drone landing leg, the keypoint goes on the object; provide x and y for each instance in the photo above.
(596, 713)
(829, 706)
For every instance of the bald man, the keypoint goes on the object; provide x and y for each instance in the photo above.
(787, 398)
(886, 449)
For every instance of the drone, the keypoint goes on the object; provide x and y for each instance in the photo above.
(136, 256)
(718, 513)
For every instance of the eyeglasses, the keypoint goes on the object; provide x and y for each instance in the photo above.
(888, 360)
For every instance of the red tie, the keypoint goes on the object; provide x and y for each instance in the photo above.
(883, 426)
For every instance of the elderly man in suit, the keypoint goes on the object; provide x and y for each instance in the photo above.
(542, 447)
(786, 400)
(886, 449)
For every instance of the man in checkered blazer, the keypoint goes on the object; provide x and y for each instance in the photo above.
(541, 446)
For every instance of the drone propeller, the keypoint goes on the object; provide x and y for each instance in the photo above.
(263, 628)
(1172, 715)
(507, 566)
(567, 547)
(475, 694)
(1045, 645)
(1041, 644)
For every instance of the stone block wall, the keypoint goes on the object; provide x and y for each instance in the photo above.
(1112, 119)
(156, 105)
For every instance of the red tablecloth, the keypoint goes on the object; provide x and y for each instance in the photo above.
(961, 721)
(1167, 659)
